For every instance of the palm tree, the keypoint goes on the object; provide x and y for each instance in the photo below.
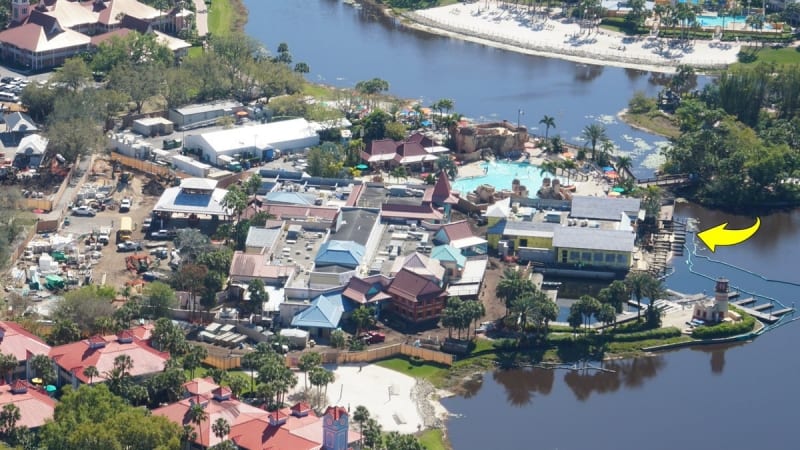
(548, 167)
(363, 318)
(91, 372)
(640, 284)
(7, 365)
(568, 165)
(624, 164)
(43, 368)
(196, 415)
(361, 416)
(548, 122)
(512, 285)
(235, 200)
(221, 428)
(446, 104)
(594, 133)
(445, 164)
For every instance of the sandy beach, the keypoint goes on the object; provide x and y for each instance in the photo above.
(397, 401)
(504, 27)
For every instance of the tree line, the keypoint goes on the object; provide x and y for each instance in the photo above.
(739, 139)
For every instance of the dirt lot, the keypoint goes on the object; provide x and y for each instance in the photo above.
(112, 265)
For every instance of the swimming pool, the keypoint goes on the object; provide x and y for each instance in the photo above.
(501, 174)
(717, 21)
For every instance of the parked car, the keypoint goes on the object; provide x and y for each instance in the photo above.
(485, 327)
(146, 224)
(125, 205)
(160, 252)
(373, 337)
(83, 211)
(129, 246)
(163, 234)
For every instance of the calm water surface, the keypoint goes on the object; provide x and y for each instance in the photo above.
(740, 397)
(343, 45)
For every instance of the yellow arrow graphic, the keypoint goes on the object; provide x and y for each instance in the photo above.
(719, 235)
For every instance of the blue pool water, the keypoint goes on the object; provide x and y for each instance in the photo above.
(716, 21)
(501, 174)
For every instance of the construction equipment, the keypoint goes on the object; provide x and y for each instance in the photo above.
(138, 263)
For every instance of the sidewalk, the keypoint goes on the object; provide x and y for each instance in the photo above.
(201, 17)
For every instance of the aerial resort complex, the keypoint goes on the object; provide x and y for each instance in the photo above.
(215, 241)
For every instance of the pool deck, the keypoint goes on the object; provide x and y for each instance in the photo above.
(595, 186)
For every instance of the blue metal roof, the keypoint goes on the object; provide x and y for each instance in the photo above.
(340, 253)
(448, 253)
(325, 312)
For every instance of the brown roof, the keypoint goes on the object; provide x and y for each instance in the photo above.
(257, 266)
(100, 38)
(419, 212)
(35, 407)
(42, 33)
(442, 191)
(457, 230)
(414, 287)
(286, 212)
(358, 289)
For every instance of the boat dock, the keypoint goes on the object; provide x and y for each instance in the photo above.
(763, 312)
(744, 301)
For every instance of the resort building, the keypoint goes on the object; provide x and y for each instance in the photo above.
(45, 34)
(35, 407)
(323, 315)
(194, 199)
(594, 248)
(606, 208)
(100, 352)
(259, 141)
(460, 235)
(416, 298)
(22, 345)
(252, 428)
(202, 114)
(414, 152)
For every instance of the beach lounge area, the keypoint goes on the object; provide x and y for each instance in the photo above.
(507, 27)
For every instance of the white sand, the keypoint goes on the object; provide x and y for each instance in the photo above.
(371, 387)
(540, 35)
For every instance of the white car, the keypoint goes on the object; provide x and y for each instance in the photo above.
(125, 205)
(83, 211)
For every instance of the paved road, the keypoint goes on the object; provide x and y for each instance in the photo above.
(201, 17)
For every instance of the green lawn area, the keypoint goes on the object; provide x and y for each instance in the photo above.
(419, 370)
(656, 122)
(433, 440)
(319, 92)
(195, 52)
(220, 17)
(788, 55)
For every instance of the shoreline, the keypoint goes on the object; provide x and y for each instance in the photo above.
(482, 32)
(622, 114)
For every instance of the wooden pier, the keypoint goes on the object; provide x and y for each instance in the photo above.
(767, 318)
(763, 307)
(745, 301)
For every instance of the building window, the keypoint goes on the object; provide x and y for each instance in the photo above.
(586, 256)
(598, 257)
(610, 257)
(621, 259)
(574, 255)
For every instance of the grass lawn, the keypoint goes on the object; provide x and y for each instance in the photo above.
(655, 122)
(433, 440)
(195, 52)
(421, 370)
(788, 55)
(220, 17)
(319, 92)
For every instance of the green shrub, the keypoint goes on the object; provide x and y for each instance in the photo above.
(658, 333)
(725, 329)
(641, 103)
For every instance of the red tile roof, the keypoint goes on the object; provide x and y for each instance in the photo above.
(35, 407)
(200, 386)
(358, 289)
(18, 342)
(414, 287)
(77, 356)
(286, 212)
(100, 38)
(419, 212)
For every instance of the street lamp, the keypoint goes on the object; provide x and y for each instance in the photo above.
(520, 113)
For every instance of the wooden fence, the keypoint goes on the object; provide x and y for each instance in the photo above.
(376, 354)
(223, 362)
(30, 204)
(141, 166)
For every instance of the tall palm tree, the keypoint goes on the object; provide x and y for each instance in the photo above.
(91, 372)
(7, 365)
(221, 428)
(196, 415)
(512, 285)
(640, 285)
(361, 416)
(568, 166)
(624, 163)
(548, 122)
(594, 133)
(548, 166)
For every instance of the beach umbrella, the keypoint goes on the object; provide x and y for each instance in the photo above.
(36, 381)
(611, 174)
(608, 169)
(618, 189)
(614, 194)
(50, 388)
(362, 167)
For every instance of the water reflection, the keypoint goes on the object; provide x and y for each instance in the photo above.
(717, 359)
(630, 373)
(587, 72)
(521, 385)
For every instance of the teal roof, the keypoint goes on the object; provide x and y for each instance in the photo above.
(448, 253)
(325, 312)
(340, 253)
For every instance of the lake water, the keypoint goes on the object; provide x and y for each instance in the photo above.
(343, 45)
(739, 397)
